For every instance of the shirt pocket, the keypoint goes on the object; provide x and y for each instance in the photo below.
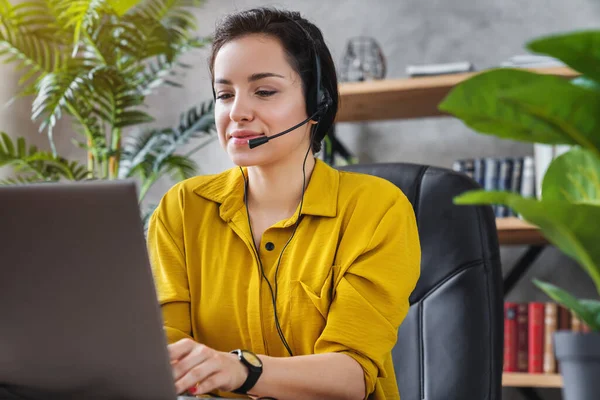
(308, 308)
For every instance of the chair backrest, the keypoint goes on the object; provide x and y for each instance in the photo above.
(450, 346)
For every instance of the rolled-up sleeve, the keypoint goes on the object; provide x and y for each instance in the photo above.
(167, 257)
(371, 298)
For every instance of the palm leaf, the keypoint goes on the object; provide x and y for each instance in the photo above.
(167, 25)
(30, 41)
(22, 180)
(57, 92)
(80, 16)
(179, 167)
(43, 165)
(148, 151)
(38, 17)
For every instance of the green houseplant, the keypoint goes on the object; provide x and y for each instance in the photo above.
(96, 61)
(532, 107)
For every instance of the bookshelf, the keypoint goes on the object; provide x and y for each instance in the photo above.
(514, 231)
(519, 379)
(419, 97)
(405, 98)
(411, 98)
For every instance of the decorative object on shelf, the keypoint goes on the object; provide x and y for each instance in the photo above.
(363, 60)
(439, 69)
(97, 63)
(531, 107)
(532, 61)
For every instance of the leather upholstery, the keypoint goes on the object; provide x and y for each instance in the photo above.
(450, 346)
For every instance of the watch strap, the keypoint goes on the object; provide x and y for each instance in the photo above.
(253, 374)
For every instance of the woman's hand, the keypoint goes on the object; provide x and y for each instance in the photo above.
(200, 369)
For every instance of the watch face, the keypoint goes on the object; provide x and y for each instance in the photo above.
(252, 358)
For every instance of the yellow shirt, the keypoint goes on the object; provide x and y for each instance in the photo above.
(342, 286)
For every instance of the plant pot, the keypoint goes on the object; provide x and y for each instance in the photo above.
(579, 358)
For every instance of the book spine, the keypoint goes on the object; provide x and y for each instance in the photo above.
(522, 337)
(504, 183)
(536, 338)
(469, 167)
(517, 177)
(479, 171)
(490, 180)
(575, 323)
(510, 337)
(564, 318)
(528, 178)
(550, 326)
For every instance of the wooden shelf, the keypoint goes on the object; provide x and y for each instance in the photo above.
(405, 98)
(518, 379)
(515, 231)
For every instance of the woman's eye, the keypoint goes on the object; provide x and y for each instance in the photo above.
(224, 96)
(265, 93)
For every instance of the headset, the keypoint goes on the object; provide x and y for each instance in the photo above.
(323, 103)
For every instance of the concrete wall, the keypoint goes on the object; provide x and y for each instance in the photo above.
(485, 32)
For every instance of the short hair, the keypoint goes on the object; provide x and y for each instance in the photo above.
(291, 29)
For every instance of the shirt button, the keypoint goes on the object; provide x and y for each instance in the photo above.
(269, 246)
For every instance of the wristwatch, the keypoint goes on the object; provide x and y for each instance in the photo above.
(255, 368)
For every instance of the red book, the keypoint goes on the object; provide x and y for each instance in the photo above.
(536, 337)
(510, 337)
(522, 337)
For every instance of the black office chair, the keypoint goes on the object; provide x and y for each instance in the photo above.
(450, 344)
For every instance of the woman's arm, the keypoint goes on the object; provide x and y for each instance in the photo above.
(318, 376)
(200, 369)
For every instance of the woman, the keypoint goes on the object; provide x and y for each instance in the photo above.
(304, 268)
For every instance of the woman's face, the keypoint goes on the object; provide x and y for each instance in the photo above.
(258, 94)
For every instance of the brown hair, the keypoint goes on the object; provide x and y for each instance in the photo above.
(293, 32)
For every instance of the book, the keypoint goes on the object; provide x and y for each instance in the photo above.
(522, 337)
(515, 184)
(528, 178)
(550, 326)
(536, 338)
(504, 183)
(510, 337)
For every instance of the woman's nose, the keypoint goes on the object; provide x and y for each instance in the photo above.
(241, 110)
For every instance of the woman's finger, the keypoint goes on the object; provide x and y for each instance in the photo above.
(210, 383)
(197, 356)
(180, 349)
(198, 375)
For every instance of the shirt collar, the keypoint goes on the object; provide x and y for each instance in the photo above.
(227, 189)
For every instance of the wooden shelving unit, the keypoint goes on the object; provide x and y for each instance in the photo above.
(517, 379)
(405, 98)
(417, 98)
(514, 231)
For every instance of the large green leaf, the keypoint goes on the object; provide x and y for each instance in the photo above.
(587, 310)
(579, 50)
(571, 109)
(573, 177)
(570, 227)
(477, 102)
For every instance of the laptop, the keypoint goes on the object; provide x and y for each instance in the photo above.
(79, 317)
